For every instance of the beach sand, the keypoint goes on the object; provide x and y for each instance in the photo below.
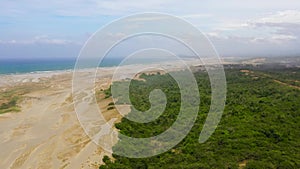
(46, 132)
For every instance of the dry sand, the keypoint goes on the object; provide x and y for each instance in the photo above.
(46, 133)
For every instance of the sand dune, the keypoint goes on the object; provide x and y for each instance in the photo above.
(46, 133)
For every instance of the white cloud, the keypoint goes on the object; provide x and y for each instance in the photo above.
(234, 21)
(43, 39)
(275, 28)
(196, 16)
(278, 19)
(80, 7)
(232, 26)
(275, 39)
(288, 16)
(148, 18)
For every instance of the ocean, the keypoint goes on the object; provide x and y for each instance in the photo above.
(19, 66)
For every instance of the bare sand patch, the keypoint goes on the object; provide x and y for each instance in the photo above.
(46, 133)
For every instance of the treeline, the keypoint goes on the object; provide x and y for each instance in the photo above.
(260, 127)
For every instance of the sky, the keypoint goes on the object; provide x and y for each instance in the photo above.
(58, 29)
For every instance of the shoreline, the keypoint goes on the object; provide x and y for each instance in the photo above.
(47, 123)
(46, 132)
(9, 80)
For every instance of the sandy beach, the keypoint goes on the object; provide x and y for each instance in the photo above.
(46, 132)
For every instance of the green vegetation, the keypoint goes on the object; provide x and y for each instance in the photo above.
(139, 96)
(9, 100)
(111, 104)
(107, 93)
(10, 105)
(260, 127)
(11, 97)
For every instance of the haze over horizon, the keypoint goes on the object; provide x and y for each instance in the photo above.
(58, 29)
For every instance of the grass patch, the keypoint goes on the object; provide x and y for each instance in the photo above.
(10, 98)
(10, 105)
(110, 108)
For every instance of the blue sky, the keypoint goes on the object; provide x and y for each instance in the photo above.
(58, 29)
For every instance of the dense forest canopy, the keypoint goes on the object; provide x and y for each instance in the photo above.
(260, 126)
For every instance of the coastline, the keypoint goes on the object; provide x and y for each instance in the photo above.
(46, 132)
(8, 80)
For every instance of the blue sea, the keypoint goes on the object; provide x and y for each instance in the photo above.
(19, 66)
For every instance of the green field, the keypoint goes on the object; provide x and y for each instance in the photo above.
(260, 127)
